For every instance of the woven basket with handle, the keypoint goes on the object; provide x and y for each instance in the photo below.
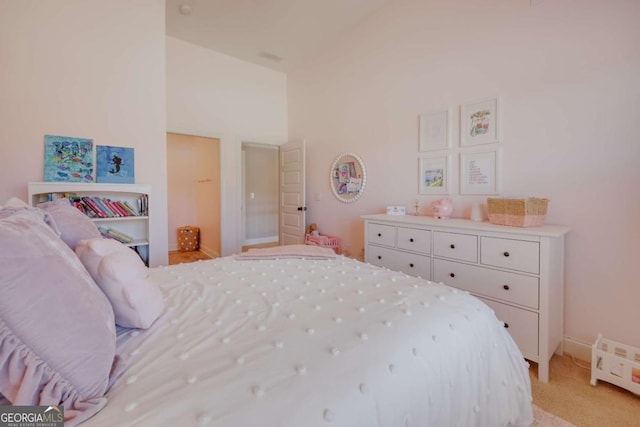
(529, 212)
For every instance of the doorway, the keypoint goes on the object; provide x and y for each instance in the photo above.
(194, 191)
(260, 195)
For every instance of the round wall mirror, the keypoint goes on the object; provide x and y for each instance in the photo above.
(348, 177)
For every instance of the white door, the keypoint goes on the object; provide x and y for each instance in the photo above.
(292, 200)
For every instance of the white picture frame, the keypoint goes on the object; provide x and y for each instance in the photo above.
(479, 122)
(434, 131)
(479, 172)
(433, 174)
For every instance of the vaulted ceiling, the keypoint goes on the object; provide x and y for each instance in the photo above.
(272, 33)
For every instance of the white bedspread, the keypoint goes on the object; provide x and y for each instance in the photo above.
(305, 343)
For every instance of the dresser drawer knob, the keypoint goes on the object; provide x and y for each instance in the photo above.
(411, 240)
(379, 234)
(506, 254)
(452, 274)
(411, 265)
(452, 246)
(505, 287)
(379, 257)
(506, 325)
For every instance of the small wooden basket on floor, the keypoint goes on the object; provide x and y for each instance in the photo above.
(517, 212)
(188, 239)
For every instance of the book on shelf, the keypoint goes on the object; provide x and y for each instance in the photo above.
(110, 233)
(112, 207)
(129, 208)
(93, 208)
(101, 207)
(115, 205)
(97, 207)
(143, 205)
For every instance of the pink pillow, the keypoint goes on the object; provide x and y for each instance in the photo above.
(57, 332)
(118, 270)
(72, 224)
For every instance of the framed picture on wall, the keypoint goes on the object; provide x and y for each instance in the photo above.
(434, 131)
(479, 172)
(68, 159)
(433, 175)
(115, 165)
(479, 122)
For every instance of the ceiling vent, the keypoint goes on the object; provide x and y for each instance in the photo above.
(271, 56)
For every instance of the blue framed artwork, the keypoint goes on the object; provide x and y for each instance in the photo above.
(68, 159)
(114, 165)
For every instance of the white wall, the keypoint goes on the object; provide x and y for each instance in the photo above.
(566, 72)
(211, 94)
(84, 68)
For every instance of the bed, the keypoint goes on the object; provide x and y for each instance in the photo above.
(300, 338)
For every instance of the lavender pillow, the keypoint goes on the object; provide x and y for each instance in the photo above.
(120, 273)
(57, 332)
(72, 224)
(15, 202)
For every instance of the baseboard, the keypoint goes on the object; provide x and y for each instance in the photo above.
(209, 252)
(205, 250)
(260, 240)
(578, 349)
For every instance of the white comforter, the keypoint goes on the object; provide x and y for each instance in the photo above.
(306, 343)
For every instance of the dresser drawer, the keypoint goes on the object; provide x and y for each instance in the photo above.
(512, 254)
(382, 257)
(463, 247)
(381, 234)
(521, 324)
(413, 264)
(509, 287)
(413, 239)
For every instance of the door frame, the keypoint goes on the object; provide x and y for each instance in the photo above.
(223, 146)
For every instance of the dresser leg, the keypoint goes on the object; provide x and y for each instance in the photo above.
(543, 371)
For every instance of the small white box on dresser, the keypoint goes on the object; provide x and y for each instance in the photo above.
(518, 272)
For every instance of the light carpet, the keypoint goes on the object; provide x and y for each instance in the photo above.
(543, 418)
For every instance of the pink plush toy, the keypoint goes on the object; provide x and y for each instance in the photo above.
(442, 208)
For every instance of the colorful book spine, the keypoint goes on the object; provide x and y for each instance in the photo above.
(103, 206)
(120, 236)
(117, 206)
(93, 207)
(143, 202)
(130, 208)
(107, 207)
(111, 205)
(110, 233)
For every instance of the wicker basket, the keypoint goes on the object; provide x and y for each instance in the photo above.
(188, 238)
(517, 212)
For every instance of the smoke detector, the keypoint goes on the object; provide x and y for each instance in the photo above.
(185, 9)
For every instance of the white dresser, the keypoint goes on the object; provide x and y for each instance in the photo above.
(518, 272)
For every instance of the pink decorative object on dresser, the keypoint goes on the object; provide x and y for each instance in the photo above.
(442, 208)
